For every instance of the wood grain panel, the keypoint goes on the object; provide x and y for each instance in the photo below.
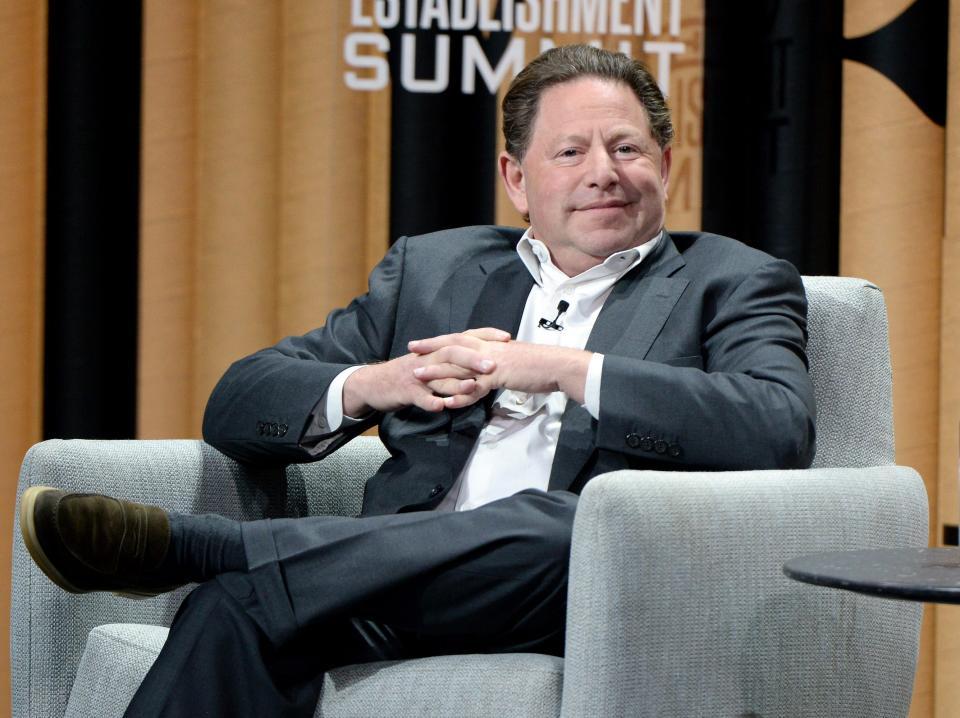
(240, 80)
(891, 226)
(685, 203)
(168, 197)
(947, 648)
(22, 137)
(377, 194)
(329, 161)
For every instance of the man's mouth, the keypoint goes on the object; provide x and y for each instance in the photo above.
(604, 204)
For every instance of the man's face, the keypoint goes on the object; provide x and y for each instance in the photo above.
(593, 180)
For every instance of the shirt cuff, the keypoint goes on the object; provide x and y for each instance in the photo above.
(591, 390)
(333, 410)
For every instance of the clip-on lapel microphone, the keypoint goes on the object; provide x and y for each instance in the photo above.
(552, 323)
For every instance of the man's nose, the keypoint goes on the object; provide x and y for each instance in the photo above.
(601, 169)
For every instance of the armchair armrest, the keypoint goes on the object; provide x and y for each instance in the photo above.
(49, 627)
(678, 605)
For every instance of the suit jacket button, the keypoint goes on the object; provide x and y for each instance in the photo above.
(646, 443)
(436, 490)
(633, 441)
(660, 446)
(674, 451)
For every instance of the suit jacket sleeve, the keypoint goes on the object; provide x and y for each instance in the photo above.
(260, 409)
(745, 402)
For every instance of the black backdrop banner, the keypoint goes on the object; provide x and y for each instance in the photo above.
(443, 145)
(92, 202)
(771, 122)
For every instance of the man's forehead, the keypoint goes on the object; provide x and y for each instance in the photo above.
(589, 97)
(584, 83)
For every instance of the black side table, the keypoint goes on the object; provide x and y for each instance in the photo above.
(916, 574)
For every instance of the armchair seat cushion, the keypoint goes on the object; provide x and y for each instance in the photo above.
(118, 655)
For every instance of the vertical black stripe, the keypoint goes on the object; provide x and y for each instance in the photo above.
(772, 102)
(443, 145)
(93, 146)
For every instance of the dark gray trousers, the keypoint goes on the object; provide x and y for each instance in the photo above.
(321, 592)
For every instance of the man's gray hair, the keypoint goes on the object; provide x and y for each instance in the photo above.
(563, 64)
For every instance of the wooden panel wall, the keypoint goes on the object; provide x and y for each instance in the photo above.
(22, 128)
(335, 171)
(947, 644)
(685, 200)
(265, 191)
(893, 200)
(238, 170)
(168, 217)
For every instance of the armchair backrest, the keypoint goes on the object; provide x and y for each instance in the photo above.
(849, 356)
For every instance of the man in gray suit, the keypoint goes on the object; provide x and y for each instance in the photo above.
(504, 369)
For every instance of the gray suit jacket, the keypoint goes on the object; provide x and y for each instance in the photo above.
(704, 366)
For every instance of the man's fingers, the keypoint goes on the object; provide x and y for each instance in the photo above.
(450, 387)
(472, 338)
(427, 401)
(432, 344)
(454, 362)
(466, 358)
(445, 370)
(489, 334)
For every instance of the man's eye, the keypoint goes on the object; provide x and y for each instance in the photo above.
(626, 149)
(568, 153)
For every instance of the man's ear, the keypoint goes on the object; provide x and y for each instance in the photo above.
(512, 175)
(665, 163)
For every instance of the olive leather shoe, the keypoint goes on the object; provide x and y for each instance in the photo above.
(88, 542)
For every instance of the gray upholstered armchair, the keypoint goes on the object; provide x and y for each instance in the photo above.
(677, 603)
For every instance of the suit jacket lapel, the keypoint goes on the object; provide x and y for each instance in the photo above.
(629, 322)
(491, 293)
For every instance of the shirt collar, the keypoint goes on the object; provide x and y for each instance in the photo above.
(536, 257)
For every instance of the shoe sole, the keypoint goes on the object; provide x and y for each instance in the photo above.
(28, 530)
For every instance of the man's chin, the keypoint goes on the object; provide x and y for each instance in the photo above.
(606, 241)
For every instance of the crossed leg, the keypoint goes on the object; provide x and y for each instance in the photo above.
(321, 592)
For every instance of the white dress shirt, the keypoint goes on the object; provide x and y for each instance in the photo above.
(516, 446)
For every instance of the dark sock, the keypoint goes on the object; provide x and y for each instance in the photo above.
(202, 547)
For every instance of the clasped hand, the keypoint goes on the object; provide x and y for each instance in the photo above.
(456, 370)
